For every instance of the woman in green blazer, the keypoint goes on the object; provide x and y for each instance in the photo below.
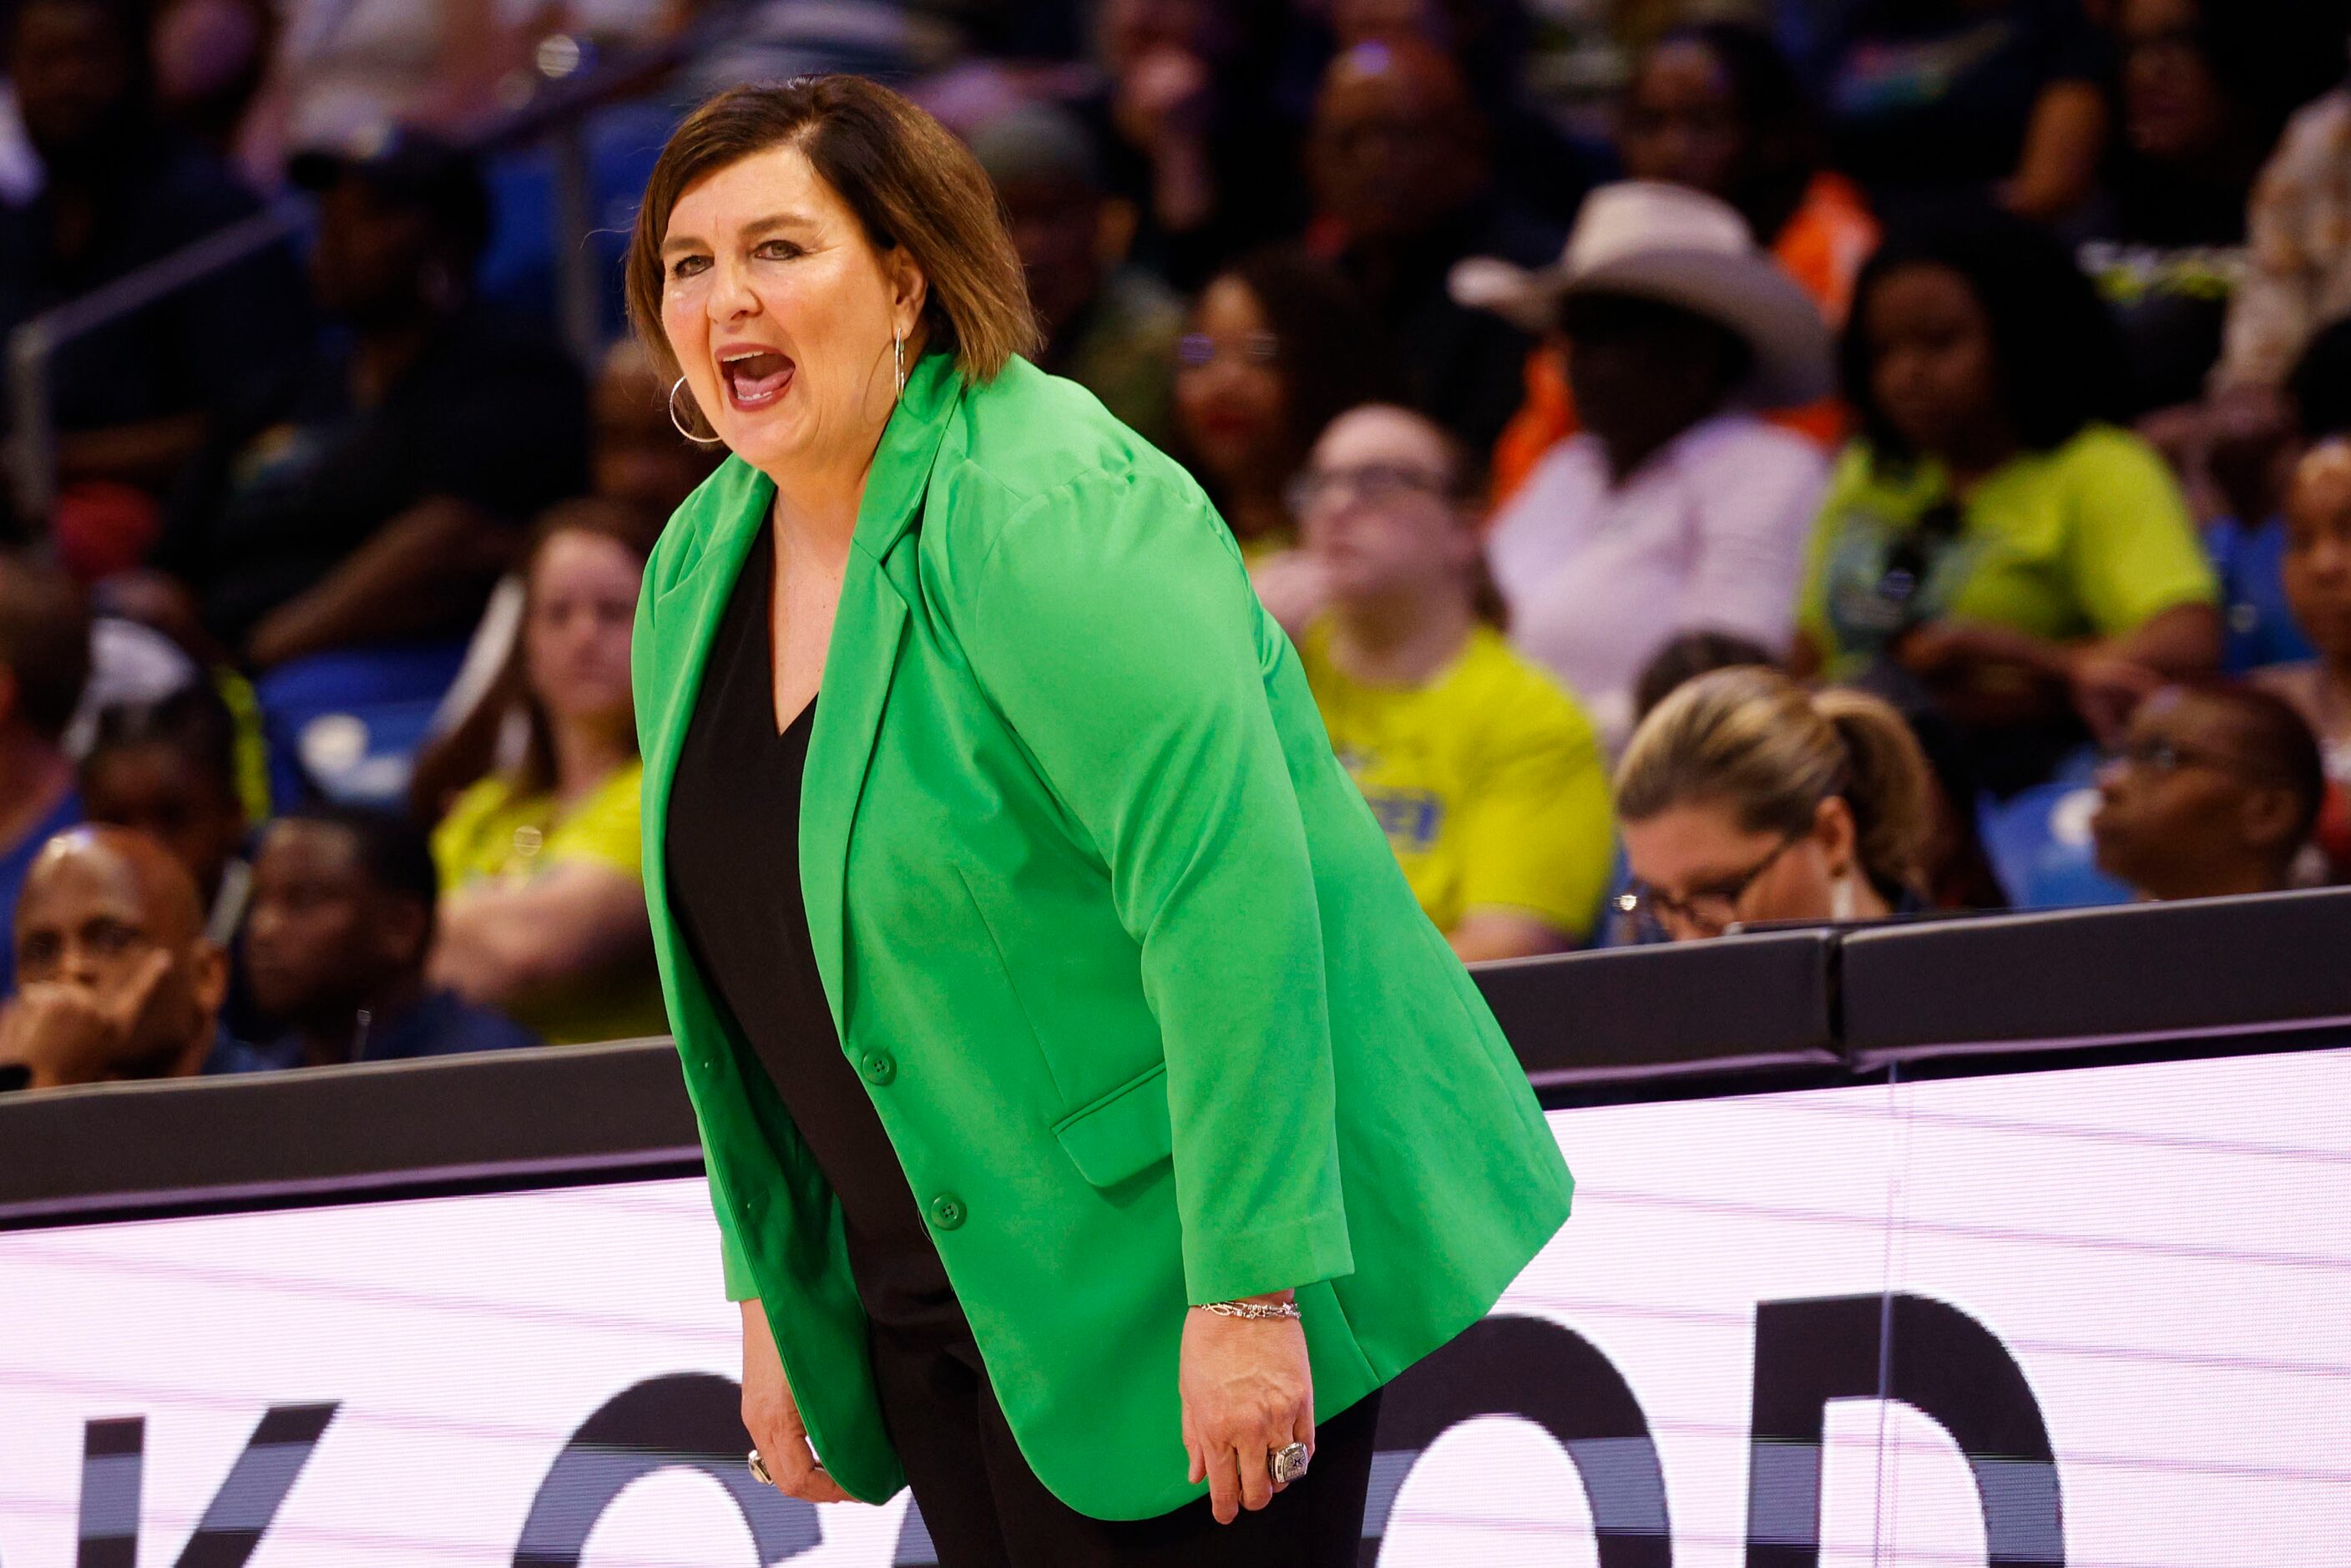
(1132, 1120)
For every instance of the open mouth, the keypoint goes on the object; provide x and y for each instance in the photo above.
(754, 377)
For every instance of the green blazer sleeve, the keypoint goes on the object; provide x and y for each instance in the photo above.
(1114, 626)
(740, 1285)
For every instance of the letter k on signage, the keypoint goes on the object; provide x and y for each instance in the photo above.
(114, 1457)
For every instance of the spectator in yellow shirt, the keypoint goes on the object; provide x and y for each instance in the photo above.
(1485, 775)
(543, 908)
(1991, 548)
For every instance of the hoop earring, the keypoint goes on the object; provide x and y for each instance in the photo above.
(697, 440)
(898, 360)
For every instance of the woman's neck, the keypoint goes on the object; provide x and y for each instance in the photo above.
(818, 498)
(1400, 640)
(818, 508)
(1976, 454)
(818, 495)
(587, 752)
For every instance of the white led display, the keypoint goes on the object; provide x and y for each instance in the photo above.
(2112, 1308)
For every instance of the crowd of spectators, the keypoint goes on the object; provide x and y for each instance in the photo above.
(1755, 484)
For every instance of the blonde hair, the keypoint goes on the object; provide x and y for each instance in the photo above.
(1757, 743)
(904, 175)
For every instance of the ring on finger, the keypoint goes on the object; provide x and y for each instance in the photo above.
(759, 1469)
(1287, 1464)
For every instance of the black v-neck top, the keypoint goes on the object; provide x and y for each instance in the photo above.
(735, 884)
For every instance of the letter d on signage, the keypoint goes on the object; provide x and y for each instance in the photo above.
(1545, 1372)
(1930, 1356)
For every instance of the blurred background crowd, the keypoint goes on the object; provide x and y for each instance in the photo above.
(1719, 462)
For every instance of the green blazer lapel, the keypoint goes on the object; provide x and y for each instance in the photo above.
(688, 614)
(868, 630)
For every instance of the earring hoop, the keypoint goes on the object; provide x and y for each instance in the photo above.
(898, 360)
(697, 440)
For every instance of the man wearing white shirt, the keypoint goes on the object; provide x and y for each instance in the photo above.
(1673, 509)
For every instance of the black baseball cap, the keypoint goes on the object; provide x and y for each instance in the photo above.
(409, 167)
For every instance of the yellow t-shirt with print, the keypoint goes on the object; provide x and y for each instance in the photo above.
(495, 833)
(1488, 780)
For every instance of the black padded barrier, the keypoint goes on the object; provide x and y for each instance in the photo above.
(1735, 1015)
(2211, 968)
(501, 1119)
(1743, 1004)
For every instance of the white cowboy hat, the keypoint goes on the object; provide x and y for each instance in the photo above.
(1680, 247)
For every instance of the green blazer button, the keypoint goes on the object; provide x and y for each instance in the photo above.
(947, 1211)
(879, 1067)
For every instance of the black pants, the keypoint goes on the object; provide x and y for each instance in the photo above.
(985, 1509)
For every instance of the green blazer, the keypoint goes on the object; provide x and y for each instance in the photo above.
(1139, 992)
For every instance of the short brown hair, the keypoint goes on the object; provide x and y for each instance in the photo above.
(44, 642)
(904, 175)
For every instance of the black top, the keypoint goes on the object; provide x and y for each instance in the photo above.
(2165, 251)
(492, 412)
(439, 1023)
(208, 347)
(733, 876)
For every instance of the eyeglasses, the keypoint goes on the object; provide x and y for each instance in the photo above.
(1373, 484)
(1197, 350)
(1706, 911)
(2154, 754)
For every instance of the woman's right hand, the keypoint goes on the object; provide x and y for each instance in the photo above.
(773, 1419)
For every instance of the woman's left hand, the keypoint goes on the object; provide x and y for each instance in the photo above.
(1247, 1393)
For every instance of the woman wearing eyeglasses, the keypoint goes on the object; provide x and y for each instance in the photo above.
(1276, 346)
(1484, 773)
(1746, 799)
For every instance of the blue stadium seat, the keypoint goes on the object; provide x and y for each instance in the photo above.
(349, 723)
(2039, 841)
(517, 270)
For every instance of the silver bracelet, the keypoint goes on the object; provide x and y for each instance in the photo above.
(1252, 1309)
